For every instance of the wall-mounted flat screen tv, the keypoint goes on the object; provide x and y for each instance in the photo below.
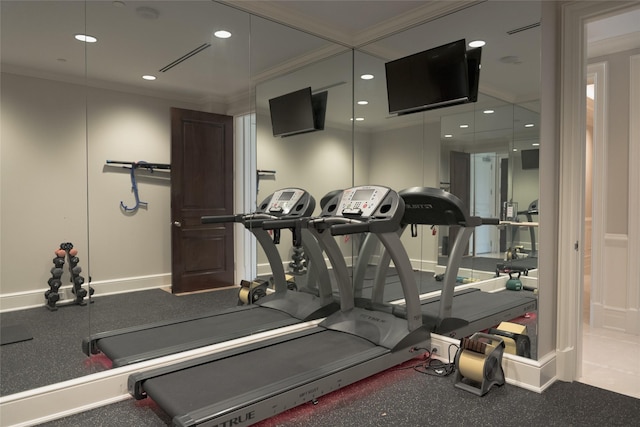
(530, 159)
(440, 77)
(298, 112)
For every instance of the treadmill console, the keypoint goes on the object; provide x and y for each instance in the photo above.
(290, 202)
(361, 201)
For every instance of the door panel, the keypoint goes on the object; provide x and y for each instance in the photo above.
(460, 178)
(202, 184)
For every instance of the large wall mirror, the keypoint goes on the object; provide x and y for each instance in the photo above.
(69, 106)
(476, 151)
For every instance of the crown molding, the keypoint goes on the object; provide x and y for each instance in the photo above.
(613, 45)
(285, 16)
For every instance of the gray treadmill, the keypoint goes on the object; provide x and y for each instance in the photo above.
(282, 308)
(454, 313)
(256, 381)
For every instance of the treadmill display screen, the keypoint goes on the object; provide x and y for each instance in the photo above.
(286, 195)
(362, 195)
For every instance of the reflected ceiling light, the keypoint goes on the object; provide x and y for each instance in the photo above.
(366, 76)
(149, 77)
(118, 3)
(536, 144)
(448, 135)
(359, 119)
(477, 43)
(515, 149)
(464, 126)
(85, 38)
(488, 111)
(363, 102)
(529, 125)
(222, 34)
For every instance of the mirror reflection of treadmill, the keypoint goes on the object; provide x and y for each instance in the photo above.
(282, 308)
(258, 380)
(453, 313)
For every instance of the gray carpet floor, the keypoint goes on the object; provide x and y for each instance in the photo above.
(405, 396)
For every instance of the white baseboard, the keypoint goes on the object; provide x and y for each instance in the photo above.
(35, 298)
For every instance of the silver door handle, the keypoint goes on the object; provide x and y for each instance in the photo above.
(177, 223)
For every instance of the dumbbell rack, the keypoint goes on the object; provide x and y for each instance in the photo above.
(52, 295)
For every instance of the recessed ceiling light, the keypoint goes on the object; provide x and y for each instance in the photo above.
(359, 119)
(363, 102)
(85, 38)
(515, 149)
(529, 125)
(366, 76)
(222, 34)
(464, 126)
(448, 135)
(488, 111)
(536, 144)
(149, 77)
(477, 43)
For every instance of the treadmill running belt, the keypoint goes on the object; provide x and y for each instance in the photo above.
(476, 305)
(221, 327)
(181, 392)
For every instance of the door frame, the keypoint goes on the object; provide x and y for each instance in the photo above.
(575, 16)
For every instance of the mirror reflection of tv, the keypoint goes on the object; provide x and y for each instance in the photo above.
(440, 77)
(530, 159)
(298, 112)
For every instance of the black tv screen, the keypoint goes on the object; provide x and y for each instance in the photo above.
(298, 112)
(530, 159)
(439, 77)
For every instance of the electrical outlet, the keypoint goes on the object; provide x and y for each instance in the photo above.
(437, 350)
(441, 346)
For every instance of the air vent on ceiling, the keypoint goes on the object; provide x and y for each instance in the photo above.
(525, 28)
(185, 57)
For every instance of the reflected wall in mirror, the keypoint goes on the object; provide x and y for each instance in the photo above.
(44, 191)
(318, 162)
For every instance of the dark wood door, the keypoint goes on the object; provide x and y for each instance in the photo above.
(460, 178)
(201, 184)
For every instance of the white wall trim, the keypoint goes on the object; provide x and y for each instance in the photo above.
(30, 299)
(633, 228)
(575, 15)
(598, 72)
(571, 200)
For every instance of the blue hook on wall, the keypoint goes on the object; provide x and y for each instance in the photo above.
(132, 166)
(134, 187)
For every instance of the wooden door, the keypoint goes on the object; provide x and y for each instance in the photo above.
(201, 184)
(460, 178)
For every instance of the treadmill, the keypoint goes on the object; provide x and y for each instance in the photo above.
(256, 381)
(454, 313)
(283, 307)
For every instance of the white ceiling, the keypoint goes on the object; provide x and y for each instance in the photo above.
(141, 37)
(37, 38)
